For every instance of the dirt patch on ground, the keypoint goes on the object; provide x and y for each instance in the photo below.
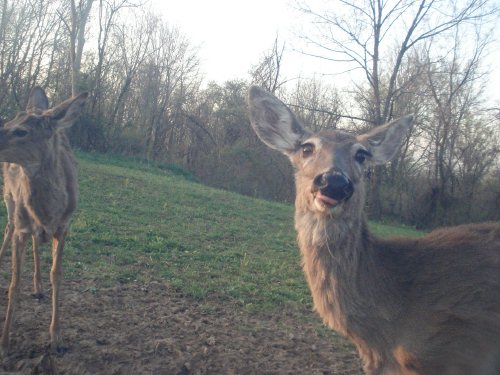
(152, 329)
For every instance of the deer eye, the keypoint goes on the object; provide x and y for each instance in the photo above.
(361, 155)
(307, 149)
(20, 133)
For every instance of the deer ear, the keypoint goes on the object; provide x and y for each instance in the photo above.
(384, 141)
(273, 122)
(65, 114)
(37, 99)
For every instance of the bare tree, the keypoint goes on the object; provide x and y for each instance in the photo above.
(79, 16)
(360, 34)
(267, 73)
(107, 13)
(316, 103)
(477, 153)
(131, 54)
(168, 78)
(456, 128)
(26, 29)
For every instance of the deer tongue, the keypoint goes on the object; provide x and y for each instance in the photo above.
(327, 201)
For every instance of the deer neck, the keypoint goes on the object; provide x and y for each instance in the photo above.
(44, 189)
(345, 278)
(43, 170)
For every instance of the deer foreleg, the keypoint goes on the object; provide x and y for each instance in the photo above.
(18, 250)
(37, 277)
(55, 280)
(9, 227)
(7, 237)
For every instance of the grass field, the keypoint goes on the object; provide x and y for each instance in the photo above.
(142, 222)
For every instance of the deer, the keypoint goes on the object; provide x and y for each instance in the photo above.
(40, 190)
(411, 306)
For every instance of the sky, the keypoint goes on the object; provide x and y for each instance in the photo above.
(232, 35)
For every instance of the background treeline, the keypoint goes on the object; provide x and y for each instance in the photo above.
(149, 99)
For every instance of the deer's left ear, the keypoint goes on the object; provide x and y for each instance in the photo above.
(384, 141)
(65, 114)
(37, 99)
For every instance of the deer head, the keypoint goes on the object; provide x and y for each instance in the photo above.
(329, 165)
(28, 136)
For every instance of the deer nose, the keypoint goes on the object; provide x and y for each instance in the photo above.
(335, 185)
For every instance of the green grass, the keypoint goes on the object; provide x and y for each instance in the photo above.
(139, 221)
(387, 230)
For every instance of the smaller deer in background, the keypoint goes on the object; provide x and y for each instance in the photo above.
(39, 98)
(426, 306)
(40, 192)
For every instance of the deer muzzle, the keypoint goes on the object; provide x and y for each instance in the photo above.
(332, 187)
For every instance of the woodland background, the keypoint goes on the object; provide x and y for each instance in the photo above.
(149, 99)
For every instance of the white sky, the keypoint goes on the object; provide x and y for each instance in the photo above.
(234, 34)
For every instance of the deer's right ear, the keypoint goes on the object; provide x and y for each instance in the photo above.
(273, 122)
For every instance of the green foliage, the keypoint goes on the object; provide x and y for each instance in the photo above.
(140, 221)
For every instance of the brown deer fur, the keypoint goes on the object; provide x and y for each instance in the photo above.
(426, 306)
(40, 192)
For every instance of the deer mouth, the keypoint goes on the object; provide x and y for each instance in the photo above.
(323, 201)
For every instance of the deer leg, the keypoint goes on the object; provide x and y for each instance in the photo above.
(37, 278)
(7, 236)
(55, 280)
(18, 250)
(9, 227)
